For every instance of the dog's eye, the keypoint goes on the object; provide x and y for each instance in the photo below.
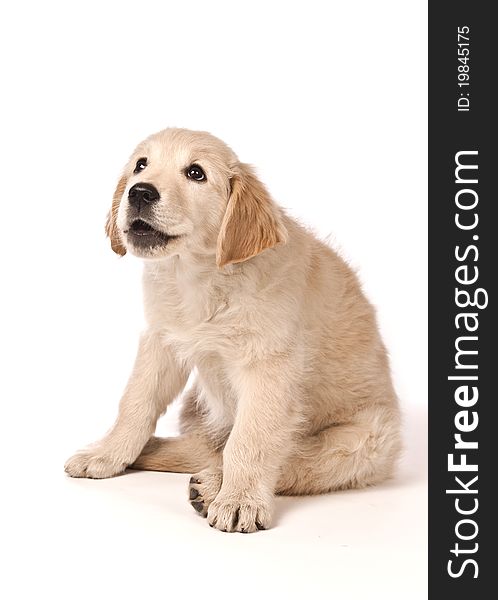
(140, 166)
(196, 173)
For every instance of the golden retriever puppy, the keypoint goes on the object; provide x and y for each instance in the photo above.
(292, 391)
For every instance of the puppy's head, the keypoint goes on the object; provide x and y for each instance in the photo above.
(185, 192)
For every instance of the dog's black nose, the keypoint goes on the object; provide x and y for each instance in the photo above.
(142, 194)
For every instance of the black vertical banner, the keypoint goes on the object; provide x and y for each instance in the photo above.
(463, 269)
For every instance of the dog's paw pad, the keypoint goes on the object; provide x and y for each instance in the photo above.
(203, 489)
(199, 506)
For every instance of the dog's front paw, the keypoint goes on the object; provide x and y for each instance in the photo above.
(203, 489)
(94, 464)
(243, 514)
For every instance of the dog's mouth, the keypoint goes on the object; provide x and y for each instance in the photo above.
(143, 233)
(140, 227)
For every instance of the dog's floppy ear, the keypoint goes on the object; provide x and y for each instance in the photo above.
(111, 228)
(252, 222)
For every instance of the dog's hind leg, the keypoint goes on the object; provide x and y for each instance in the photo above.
(194, 451)
(344, 456)
(186, 453)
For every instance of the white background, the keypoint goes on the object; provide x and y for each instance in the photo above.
(328, 101)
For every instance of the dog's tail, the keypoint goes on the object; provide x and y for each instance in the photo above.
(182, 454)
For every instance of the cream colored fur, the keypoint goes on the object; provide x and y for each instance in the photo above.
(292, 394)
